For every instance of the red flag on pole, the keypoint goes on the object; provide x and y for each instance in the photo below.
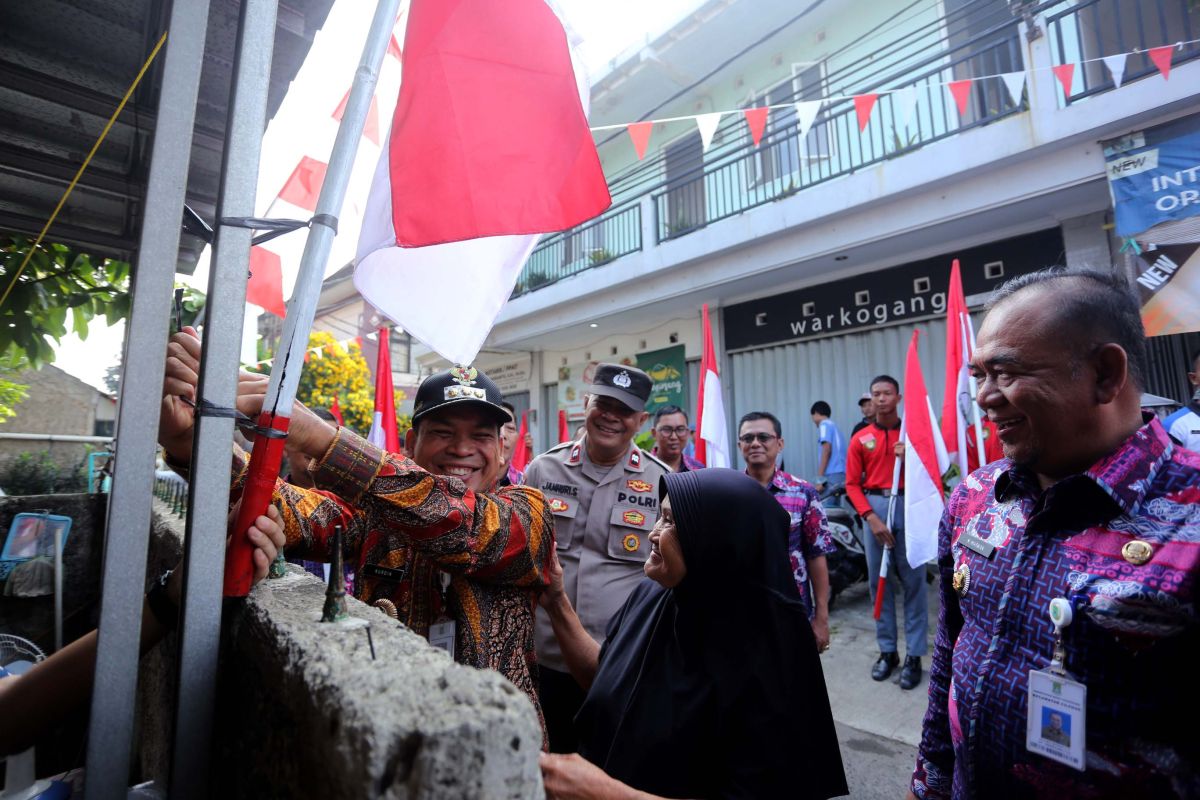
(564, 433)
(336, 410)
(959, 409)
(383, 426)
(520, 456)
(925, 460)
(712, 440)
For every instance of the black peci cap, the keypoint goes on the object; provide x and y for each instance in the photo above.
(460, 385)
(628, 384)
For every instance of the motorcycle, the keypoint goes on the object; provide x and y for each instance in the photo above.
(848, 563)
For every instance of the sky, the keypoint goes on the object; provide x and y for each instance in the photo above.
(606, 29)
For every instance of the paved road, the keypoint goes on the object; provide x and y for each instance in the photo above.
(879, 724)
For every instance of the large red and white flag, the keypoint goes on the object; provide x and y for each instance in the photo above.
(488, 148)
(521, 454)
(712, 441)
(925, 460)
(383, 425)
(959, 411)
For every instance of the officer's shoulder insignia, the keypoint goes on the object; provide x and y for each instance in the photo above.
(576, 455)
(635, 458)
(560, 446)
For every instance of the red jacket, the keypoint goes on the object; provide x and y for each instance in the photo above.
(870, 457)
(992, 450)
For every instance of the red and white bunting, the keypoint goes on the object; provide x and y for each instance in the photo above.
(863, 105)
(756, 121)
(1161, 56)
(639, 134)
(806, 114)
(1014, 82)
(708, 124)
(961, 91)
(1116, 68)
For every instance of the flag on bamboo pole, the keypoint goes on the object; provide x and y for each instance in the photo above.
(712, 444)
(383, 425)
(925, 460)
(488, 148)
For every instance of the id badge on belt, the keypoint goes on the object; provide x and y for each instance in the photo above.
(442, 632)
(1056, 721)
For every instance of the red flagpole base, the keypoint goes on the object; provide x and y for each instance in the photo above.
(879, 590)
(256, 496)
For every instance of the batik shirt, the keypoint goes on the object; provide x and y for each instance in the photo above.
(404, 527)
(808, 536)
(1133, 640)
(686, 463)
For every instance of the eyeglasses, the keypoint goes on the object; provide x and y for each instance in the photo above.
(679, 431)
(762, 438)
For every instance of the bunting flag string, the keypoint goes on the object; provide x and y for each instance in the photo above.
(903, 99)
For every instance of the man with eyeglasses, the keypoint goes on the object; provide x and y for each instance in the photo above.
(671, 434)
(603, 492)
(760, 439)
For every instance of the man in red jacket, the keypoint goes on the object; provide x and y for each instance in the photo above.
(870, 458)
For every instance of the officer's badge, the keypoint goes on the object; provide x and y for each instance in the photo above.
(635, 459)
(869, 442)
(558, 505)
(638, 486)
(962, 579)
(576, 453)
(634, 518)
(631, 543)
(464, 375)
(623, 380)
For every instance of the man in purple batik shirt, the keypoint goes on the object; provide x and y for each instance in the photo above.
(1092, 504)
(760, 439)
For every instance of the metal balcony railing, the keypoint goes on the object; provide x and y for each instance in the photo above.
(615, 233)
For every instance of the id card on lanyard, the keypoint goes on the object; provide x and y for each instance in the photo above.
(441, 633)
(1056, 713)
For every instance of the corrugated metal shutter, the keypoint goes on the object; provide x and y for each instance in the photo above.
(786, 380)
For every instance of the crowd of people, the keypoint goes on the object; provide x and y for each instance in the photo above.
(666, 620)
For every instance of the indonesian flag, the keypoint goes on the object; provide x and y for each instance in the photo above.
(383, 426)
(925, 460)
(563, 430)
(713, 442)
(958, 402)
(520, 456)
(336, 410)
(488, 149)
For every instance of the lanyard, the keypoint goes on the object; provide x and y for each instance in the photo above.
(1061, 616)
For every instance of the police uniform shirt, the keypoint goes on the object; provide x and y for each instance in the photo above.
(602, 522)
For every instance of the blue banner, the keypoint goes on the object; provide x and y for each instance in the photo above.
(1154, 175)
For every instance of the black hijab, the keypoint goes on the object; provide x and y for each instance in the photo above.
(714, 688)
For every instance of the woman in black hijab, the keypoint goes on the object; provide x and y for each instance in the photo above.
(708, 684)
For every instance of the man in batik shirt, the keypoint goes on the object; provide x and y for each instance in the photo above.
(1092, 504)
(424, 534)
(760, 438)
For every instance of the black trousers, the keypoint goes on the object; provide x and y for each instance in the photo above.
(561, 698)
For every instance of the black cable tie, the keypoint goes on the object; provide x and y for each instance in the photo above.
(328, 220)
(204, 408)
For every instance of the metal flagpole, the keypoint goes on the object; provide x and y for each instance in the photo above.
(285, 372)
(127, 529)
(204, 561)
(885, 561)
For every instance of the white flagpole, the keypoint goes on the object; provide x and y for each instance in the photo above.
(884, 562)
(285, 372)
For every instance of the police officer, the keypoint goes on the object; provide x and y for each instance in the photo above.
(603, 492)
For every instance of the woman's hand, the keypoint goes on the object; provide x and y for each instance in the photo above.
(575, 778)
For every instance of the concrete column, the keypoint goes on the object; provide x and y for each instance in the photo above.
(1087, 242)
(649, 224)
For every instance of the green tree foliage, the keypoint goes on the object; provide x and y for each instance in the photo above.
(58, 283)
(38, 473)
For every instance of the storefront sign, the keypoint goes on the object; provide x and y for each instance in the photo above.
(1169, 285)
(668, 369)
(1154, 175)
(887, 297)
(510, 376)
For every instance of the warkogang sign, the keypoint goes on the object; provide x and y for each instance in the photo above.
(887, 297)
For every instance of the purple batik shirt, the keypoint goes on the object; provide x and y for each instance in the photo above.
(1133, 641)
(808, 536)
(686, 462)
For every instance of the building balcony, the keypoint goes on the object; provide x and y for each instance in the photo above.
(680, 190)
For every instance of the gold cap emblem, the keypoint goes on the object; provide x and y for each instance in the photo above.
(464, 375)
(1137, 552)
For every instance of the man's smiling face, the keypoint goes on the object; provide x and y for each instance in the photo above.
(462, 442)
